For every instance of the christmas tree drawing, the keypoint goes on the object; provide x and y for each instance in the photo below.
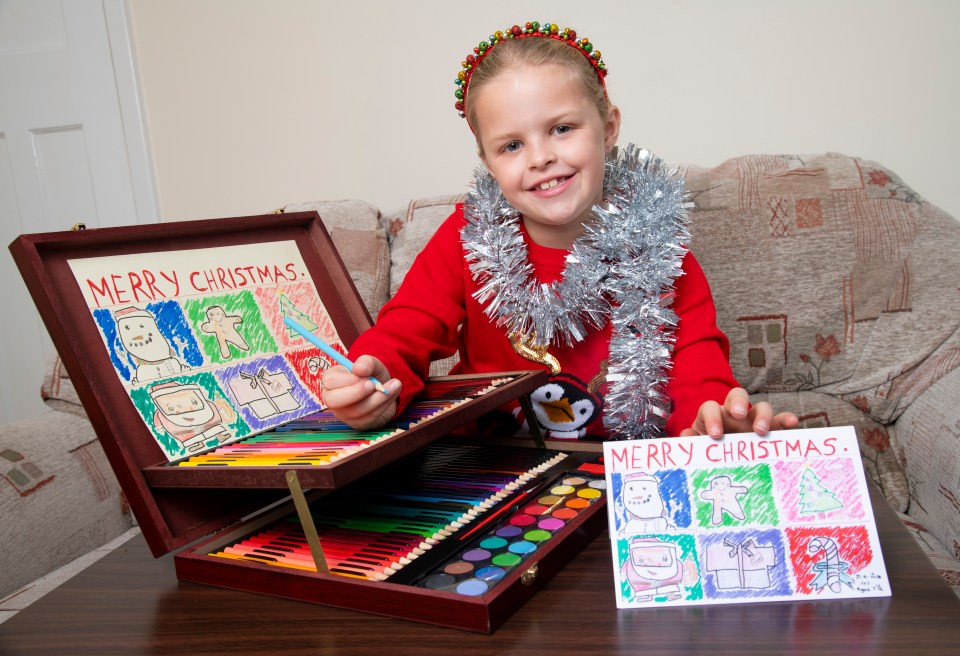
(288, 309)
(814, 497)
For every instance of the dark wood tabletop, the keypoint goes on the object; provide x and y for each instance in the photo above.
(130, 603)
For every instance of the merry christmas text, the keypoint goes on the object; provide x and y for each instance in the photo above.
(147, 285)
(660, 454)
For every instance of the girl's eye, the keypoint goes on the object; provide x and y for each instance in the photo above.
(512, 146)
(562, 129)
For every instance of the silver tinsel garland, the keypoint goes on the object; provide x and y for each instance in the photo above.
(622, 269)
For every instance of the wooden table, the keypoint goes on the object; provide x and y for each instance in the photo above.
(129, 603)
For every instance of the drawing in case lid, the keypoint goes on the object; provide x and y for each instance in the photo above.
(746, 518)
(199, 339)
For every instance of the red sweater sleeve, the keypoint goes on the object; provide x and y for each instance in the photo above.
(421, 322)
(701, 355)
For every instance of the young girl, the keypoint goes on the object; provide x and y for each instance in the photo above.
(566, 256)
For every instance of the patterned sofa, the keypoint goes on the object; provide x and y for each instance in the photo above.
(834, 280)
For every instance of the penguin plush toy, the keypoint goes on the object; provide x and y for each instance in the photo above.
(564, 407)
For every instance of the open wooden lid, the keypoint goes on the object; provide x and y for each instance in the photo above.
(174, 504)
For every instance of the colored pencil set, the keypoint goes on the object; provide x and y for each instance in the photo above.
(434, 502)
(321, 439)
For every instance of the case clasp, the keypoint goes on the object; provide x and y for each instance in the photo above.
(529, 576)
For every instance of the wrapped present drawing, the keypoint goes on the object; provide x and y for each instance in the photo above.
(740, 565)
(265, 394)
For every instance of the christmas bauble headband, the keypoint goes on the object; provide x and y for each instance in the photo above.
(549, 30)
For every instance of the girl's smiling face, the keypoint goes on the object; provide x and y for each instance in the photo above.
(545, 142)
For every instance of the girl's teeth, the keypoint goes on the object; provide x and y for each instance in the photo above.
(549, 185)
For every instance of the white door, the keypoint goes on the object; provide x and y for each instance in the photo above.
(72, 150)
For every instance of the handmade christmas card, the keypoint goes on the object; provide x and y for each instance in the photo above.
(199, 341)
(746, 518)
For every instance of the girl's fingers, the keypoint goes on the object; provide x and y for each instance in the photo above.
(737, 403)
(762, 417)
(710, 420)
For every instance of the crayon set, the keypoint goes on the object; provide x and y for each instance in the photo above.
(321, 439)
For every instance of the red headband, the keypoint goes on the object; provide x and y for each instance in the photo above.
(551, 30)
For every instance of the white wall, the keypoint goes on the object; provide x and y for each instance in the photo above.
(253, 104)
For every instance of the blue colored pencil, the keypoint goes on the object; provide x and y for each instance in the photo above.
(329, 350)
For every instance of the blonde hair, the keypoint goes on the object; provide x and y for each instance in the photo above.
(536, 51)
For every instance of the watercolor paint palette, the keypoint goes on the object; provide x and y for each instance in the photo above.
(785, 517)
(168, 325)
(480, 565)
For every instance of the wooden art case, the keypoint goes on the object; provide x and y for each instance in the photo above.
(176, 504)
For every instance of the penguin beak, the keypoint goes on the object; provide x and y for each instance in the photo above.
(558, 411)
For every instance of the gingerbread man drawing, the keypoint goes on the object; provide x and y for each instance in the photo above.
(725, 497)
(224, 327)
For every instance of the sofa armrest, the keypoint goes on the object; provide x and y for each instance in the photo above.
(59, 499)
(927, 443)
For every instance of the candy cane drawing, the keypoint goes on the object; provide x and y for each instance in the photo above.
(831, 571)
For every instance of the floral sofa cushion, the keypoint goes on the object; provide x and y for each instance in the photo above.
(859, 312)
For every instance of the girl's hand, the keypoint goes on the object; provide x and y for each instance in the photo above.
(736, 416)
(353, 397)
